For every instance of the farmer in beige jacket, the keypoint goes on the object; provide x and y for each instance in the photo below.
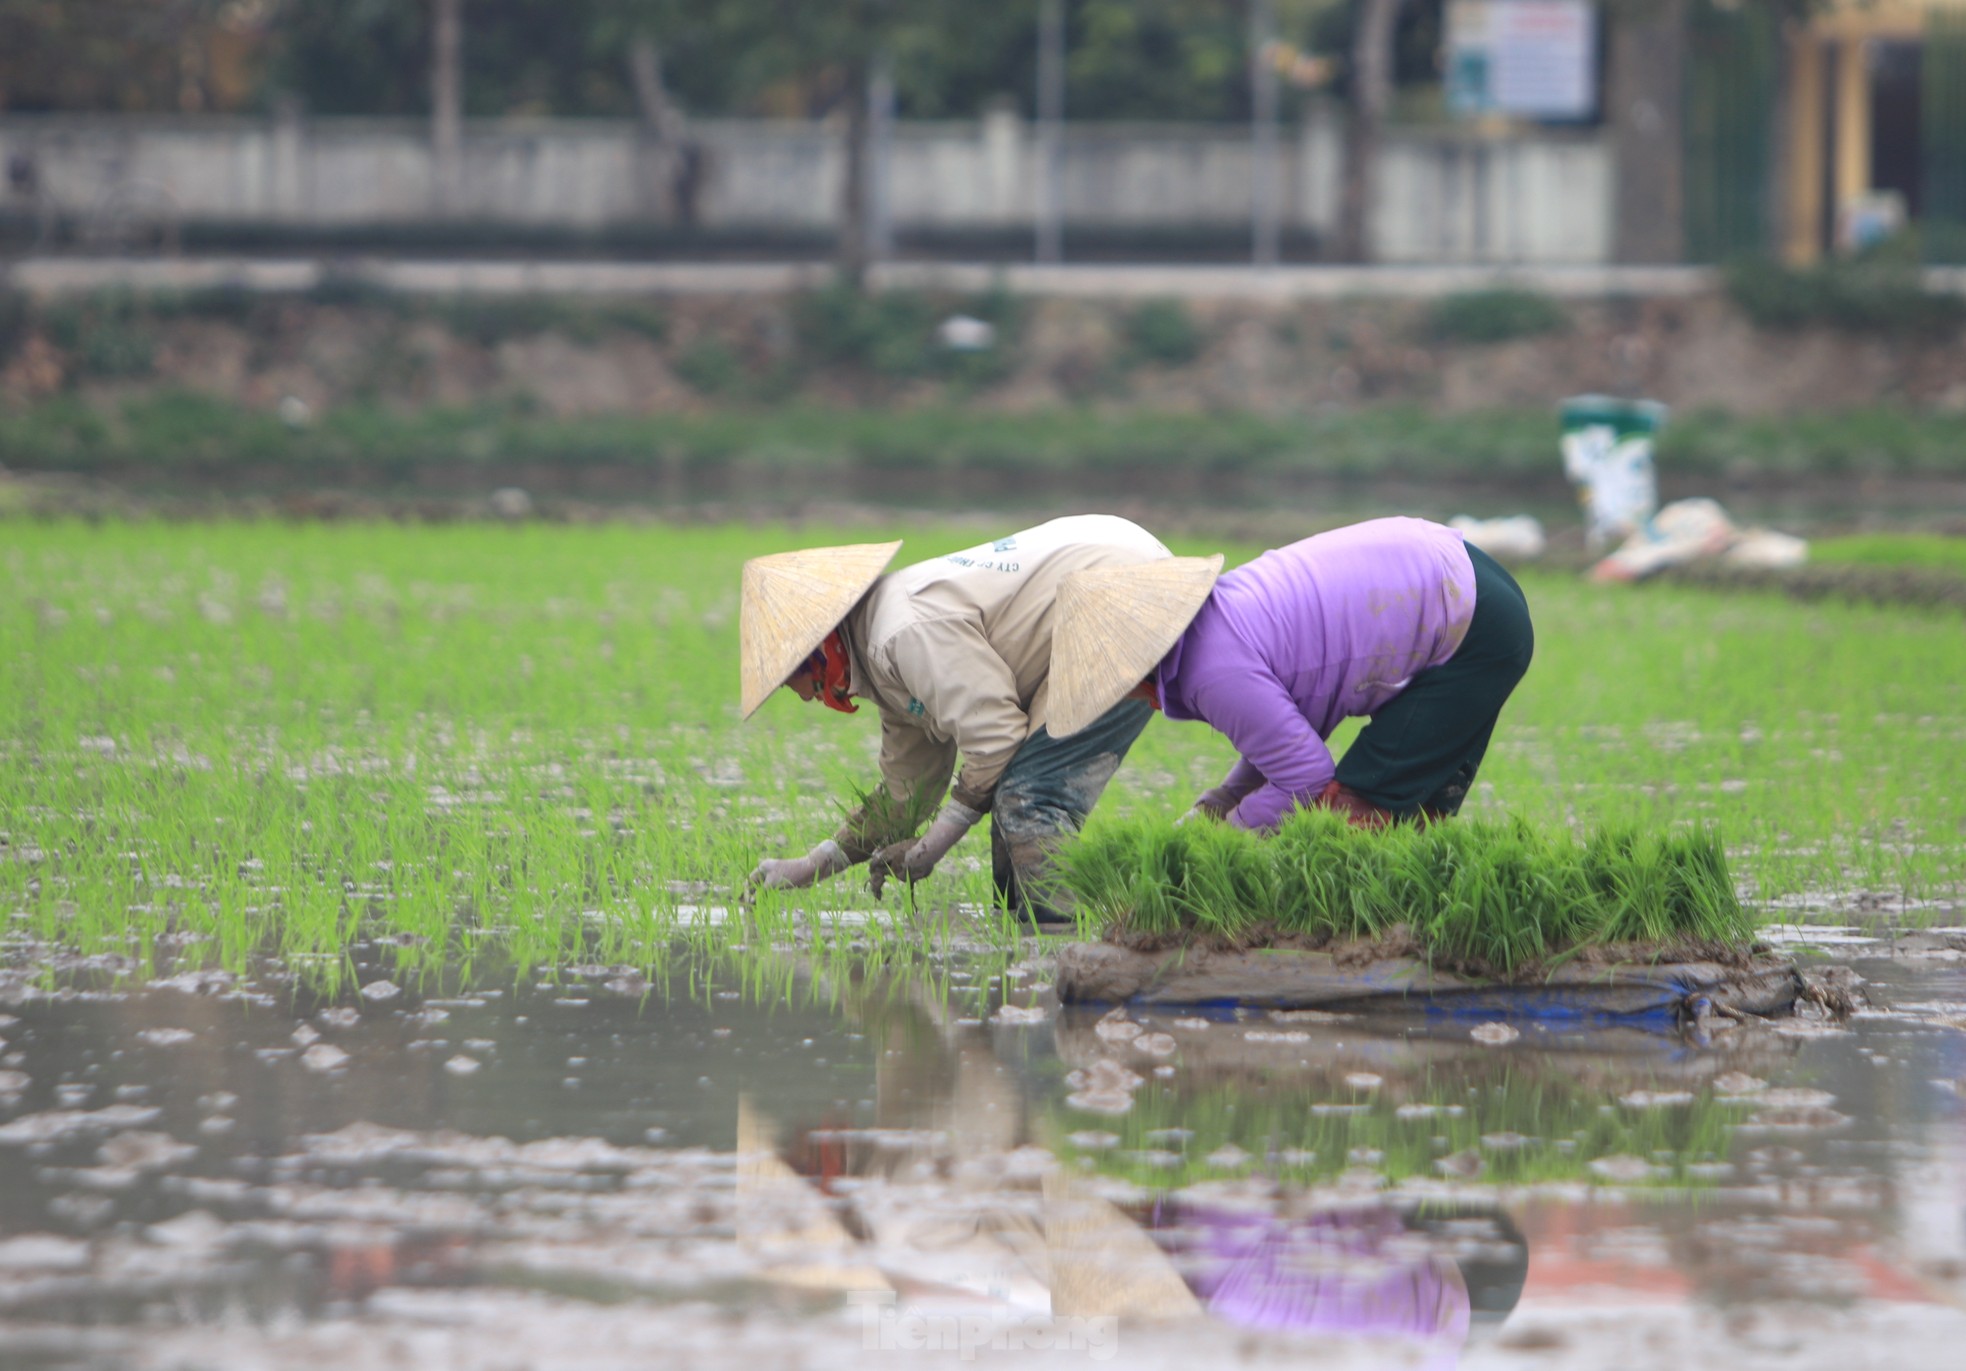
(955, 654)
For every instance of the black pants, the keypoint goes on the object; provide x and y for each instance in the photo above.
(1422, 749)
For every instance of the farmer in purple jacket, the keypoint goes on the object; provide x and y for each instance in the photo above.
(1398, 620)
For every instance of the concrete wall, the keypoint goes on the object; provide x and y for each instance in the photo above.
(1540, 199)
(1476, 200)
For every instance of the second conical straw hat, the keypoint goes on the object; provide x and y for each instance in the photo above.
(1112, 626)
(790, 601)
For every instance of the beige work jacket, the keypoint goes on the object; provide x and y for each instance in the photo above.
(956, 652)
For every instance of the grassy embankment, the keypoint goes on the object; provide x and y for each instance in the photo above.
(1896, 568)
(496, 746)
(827, 383)
(171, 437)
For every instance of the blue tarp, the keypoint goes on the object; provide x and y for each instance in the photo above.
(1285, 978)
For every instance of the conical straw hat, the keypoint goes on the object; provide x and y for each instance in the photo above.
(1112, 626)
(791, 601)
(1103, 1264)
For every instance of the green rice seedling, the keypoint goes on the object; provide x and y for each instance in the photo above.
(1103, 878)
(1527, 1126)
(1225, 886)
(878, 812)
(1930, 551)
(1500, 896)
(1161, 879)
(502, 747)
(1154, 889)
(414, 744)
(1310, 871)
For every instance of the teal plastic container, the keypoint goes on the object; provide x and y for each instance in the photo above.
(1608, 455)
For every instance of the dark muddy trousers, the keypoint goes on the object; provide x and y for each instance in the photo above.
(1422, 749)
(1046, 793)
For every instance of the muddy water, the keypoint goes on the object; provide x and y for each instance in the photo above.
(585, 1170)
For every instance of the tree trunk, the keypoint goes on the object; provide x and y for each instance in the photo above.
(1048, 212)
(880, 161)
(1265, 226)
(665, 148)
(447, 102)
(1372, 88)
(1646, 71)
(852, 250)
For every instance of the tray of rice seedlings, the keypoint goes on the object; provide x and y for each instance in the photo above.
(1497, 919)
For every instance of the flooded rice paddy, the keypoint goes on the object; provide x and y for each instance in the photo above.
(586, 1170)
(373, 992)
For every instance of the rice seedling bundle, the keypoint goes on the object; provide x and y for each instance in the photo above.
(1499, 895)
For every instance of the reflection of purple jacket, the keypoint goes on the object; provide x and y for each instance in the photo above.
(1290, 645)
(1344, 1271)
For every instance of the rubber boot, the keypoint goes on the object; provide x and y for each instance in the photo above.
(1359, 812)
(1021, 872)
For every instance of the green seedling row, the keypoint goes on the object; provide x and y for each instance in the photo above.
(1495, 895)
(1929, 551)
(1503, 1127)
(486, 745)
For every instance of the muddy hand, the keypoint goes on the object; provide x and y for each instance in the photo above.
(1217, 803)
(796, 873)
(891, 860)
(914, 860)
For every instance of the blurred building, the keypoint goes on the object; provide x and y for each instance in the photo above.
(1554, 132)
(1876, 131)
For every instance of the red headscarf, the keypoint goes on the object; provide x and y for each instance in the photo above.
(833, 674)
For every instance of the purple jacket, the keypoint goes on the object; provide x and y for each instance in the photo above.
(1347, 1271)
(1306, 636)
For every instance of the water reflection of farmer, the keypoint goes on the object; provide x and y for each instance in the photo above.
(956, 655)
(1435, 1277)
(1396, 619)
(1430, 1275)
